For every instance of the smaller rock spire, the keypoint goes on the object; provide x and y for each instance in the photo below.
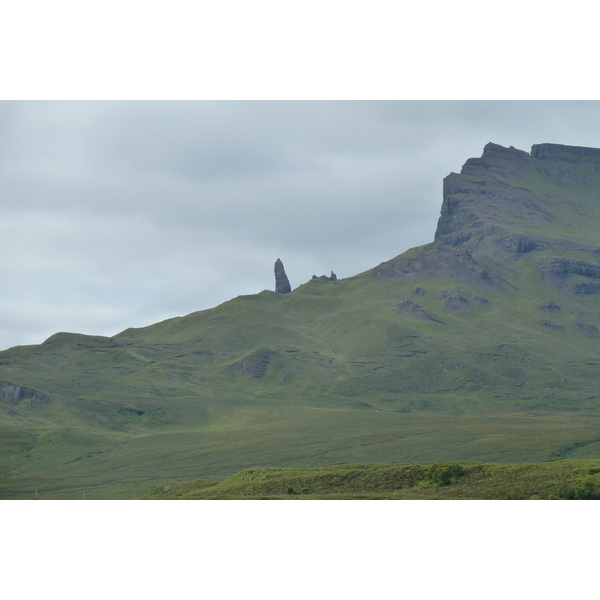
(282, 283)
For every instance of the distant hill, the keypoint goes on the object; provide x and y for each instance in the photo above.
(481, 346)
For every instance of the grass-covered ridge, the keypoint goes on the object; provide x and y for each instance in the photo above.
(563, 480)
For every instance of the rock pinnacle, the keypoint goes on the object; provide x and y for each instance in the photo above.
(282, 284)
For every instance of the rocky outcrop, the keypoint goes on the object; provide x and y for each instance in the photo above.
(587, 329)
(558, 153)
(256, 364)
(563, 267)
(13, 391)
(333, 277)
(565, 274)
(501, 202)
(454, 301)
(552, 325)
(414, 311)
(282, 283)
(585, 287)
(437, 260)
(548, 305)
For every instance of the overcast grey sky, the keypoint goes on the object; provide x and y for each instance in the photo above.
(122, 214)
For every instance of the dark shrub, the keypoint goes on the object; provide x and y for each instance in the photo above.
(583, 491)
(444, 474)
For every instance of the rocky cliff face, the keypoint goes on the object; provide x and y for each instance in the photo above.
(558, 154)
(282, 283)
(509, 206)
(12, 391)
(510, 202)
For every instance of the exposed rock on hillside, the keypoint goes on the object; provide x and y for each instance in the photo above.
(454, 301)
(563, 267)
(12, 391)
(585, 287)
(282, 283)
(565, 274)
(548, 305)
(333, 277)
(436, 260)
(502, 202)
(414, 311)
(552, 325)
(557, 160)
(587, 329)
(256, 364)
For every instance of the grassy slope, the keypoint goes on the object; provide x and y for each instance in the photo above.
(574, 479)
(343, 378)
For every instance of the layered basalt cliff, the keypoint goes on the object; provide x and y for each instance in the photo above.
(558, 153)
(508, 206)
(510, 202)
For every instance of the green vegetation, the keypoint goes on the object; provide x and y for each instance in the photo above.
(568, 480)
(441, 474)
(60, 462)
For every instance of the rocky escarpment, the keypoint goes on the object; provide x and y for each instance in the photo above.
(563, 267)
(436, 260)
(557, 156)
(13, 391)
(282, 283)
(509, 206)
(510, 202)
(567, 274)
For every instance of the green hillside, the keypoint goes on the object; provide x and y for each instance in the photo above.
(481, 346)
